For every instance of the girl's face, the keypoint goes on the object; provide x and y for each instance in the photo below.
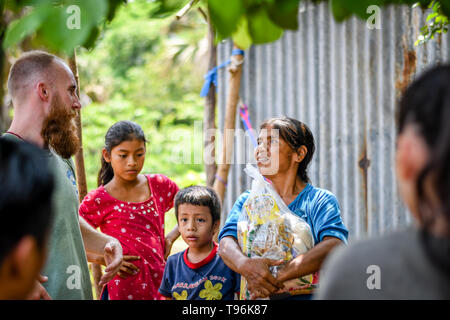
(195, 225)
(273, 154)
(127, 159)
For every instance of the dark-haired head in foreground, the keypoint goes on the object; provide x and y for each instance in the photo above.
(423, 149)
(25, 211)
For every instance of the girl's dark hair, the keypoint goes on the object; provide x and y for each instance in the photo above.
(426, 105)
(119, 132)
(199, 196)
(296, 134)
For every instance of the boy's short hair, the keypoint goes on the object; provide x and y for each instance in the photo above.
(26, 194)
(199, 196)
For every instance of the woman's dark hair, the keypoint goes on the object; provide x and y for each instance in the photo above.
(199, 196)
(426, 105)
(119, 132)
(296, 134)
(27, 186)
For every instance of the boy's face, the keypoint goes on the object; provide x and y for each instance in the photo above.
(195, 225)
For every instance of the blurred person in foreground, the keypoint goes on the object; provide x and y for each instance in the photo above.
(413, 263)
(25, 211)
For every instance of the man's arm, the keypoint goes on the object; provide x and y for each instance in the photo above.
(309, 262)
(99, 245)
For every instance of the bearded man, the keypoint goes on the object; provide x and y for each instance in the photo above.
(43, 92)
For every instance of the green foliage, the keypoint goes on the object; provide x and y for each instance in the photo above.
(261, 28)
(158, 89)
(246, 21)
(437, 23)
(225, 17)
(60, 25)
(261, 21)
(343, 9)
(167, 8)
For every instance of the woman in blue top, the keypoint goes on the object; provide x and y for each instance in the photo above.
(285, 148)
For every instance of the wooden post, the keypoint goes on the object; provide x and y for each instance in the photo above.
(185, 9)
(80, 169)
(3, 108)
(79, 159)
(229, 125)
(209, 118)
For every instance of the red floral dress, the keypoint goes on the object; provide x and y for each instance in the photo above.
(140, 229)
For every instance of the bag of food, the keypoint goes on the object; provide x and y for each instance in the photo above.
(267, 228)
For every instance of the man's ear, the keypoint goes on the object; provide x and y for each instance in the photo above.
(411, 155)
(106, 155)
(43, 91)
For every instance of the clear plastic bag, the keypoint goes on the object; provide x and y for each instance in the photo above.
(267, 228)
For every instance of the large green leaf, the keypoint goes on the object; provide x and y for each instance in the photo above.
(112, 8)
(62, 25)
(342, 9)
(284, 13)
(445, 7)
(241, 37)
(248, 4)
(59, 33)
(21, 28)
(261, 28)
(339, 10)
(225, 15)
(166, 8)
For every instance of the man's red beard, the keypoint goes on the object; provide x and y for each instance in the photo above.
(59, 130)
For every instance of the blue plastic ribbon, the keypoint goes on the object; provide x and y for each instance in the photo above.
(211, 76)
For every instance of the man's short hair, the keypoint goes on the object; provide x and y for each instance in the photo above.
(199, 196)
(29, 68)
(26, 194)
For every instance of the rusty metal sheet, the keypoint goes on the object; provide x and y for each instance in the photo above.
(343, 80)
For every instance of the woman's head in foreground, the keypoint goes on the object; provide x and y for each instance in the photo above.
(423, 149)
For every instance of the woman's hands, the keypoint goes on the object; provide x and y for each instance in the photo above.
(260, 281)
(128, 269)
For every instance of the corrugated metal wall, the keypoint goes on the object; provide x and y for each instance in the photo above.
(343, 81)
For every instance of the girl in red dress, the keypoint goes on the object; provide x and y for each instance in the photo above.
(130, 206)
